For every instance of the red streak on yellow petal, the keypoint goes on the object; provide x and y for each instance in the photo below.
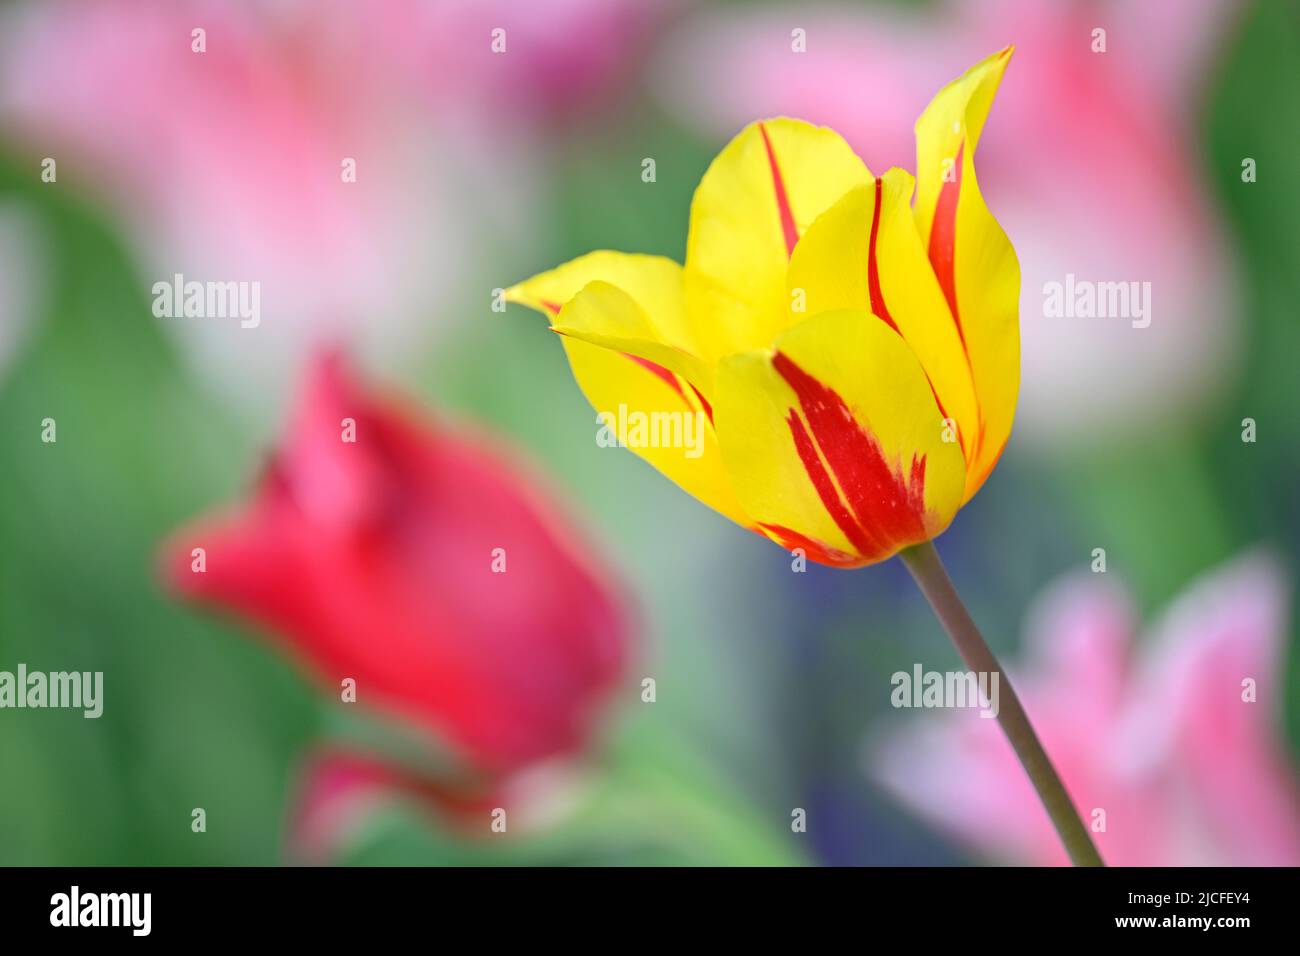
(943, 240)
(826, 489)
(704, 402)
(878, 306)
(943, 250)
(667, 376)
(782, 199)
(818, 551)
(654, 368)
(877, 509)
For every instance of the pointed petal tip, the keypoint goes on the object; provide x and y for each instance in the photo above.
(174, 562)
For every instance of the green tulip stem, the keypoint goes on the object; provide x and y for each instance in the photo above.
(923, 562)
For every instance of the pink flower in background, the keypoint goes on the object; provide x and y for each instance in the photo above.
(562, 56)
(1157, 735)
(429, 567)
(228, 165)
(1094, 169)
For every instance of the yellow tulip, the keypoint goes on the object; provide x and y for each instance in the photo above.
(854, 354)
(852, 342)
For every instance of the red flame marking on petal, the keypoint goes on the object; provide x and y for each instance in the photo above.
(873, 267)
(887, 509)
(943, 241)
(818, 551)
(788, 228)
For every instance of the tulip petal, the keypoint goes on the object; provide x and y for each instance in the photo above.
(605, 315)
(834, 438)
(864, 253)
(649, 329)
(971, 255)
(621, 337)
(754, 202)
(654, 282)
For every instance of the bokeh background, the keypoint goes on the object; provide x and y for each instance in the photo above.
(477, 169)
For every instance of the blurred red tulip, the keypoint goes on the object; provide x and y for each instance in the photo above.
(340, 790)
(423, 565)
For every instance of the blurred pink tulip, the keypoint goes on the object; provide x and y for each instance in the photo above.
(1160, 737)
(1094, 169)
(229, 164)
